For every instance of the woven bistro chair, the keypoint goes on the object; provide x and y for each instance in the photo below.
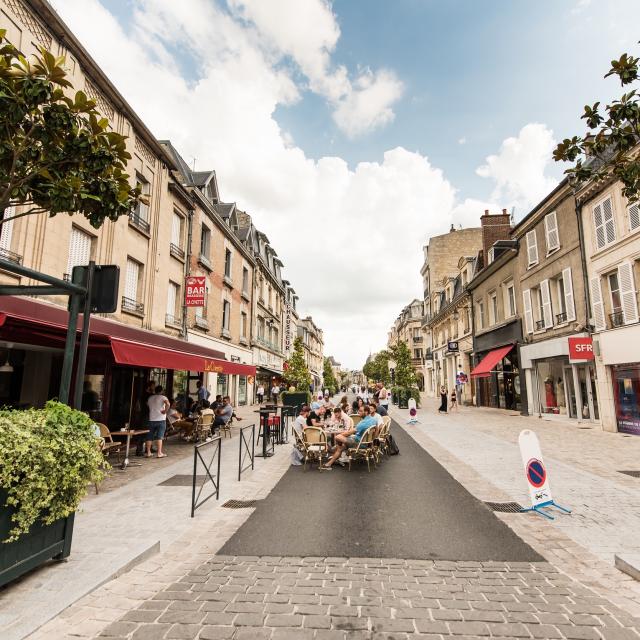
(108, 444)
(355, 418)
(380, 441)
(315, 445)
(364, 450)
(202, 427)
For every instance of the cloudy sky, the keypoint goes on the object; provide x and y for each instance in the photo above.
(353, 130)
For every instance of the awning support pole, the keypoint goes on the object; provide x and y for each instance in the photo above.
(84, 338)
(69, 349)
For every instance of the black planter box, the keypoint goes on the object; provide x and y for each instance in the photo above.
(40, 544)
(295, 399)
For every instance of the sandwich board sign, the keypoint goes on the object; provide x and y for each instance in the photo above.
(412, 411)
(536, 474)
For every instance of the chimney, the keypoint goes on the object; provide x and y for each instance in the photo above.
(494, 227)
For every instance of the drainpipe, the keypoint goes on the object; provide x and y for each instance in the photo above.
(585, 275)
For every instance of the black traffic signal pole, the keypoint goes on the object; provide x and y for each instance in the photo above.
(84, 336)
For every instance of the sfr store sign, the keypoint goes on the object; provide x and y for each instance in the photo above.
(580, 349)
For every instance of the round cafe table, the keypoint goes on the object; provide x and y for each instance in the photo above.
(264, 425)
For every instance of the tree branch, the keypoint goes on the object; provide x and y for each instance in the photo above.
(29, 212)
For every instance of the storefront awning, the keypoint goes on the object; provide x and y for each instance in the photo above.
(271, 372)
(144, 355)
(488, 363)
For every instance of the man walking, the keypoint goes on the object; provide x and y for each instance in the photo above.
(275, 393)
(203, 394)
(383, 396)
(158, 407)
(260, 393)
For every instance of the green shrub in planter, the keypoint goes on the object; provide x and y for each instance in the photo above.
(406, 394)
(48, 457)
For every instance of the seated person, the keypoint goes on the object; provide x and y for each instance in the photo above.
(381, 409)
(377, 417)
(223, 413)
(350, 438)
(316, 415)
(341, 419)
(354, 405)
(299, 425)
(217, 402)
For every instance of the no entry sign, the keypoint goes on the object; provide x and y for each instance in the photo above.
(195, 291)
(534, 468)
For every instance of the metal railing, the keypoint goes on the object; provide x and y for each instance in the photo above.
(539, 325)
(616, 319)
(267, 343)
(561, 317)
(176, 251)
(128, 304)
(245, 450)
(417, 338)
(5, 254)
(140, 223)
(215, 444)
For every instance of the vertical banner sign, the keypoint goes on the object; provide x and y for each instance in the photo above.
(195, 291)
(534, 468)
(287, 330)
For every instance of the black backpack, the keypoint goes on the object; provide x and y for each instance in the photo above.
(392, 446)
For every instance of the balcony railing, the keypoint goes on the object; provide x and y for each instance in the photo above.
(428, 355)
(174, 321)
(616, 319)
(267, 343)
(561, 317)
(176, 251)
(417, 338)
(539, 325)
(5, 254)
(129, 304)
(416, 362)
(139, 223)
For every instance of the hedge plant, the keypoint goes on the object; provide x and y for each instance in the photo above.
(48, 457)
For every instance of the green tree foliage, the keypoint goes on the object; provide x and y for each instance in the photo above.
(614, 131)
(47, 459)
(377, 369)
(328, 377)
(56, 152)
(404, 374)
(296, 373)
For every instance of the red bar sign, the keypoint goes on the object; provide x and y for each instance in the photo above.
(196, 288)
(580, 349)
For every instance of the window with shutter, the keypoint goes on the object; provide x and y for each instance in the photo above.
(528, 311)
(634, 217)
(597, 305)
(226, 313)
(532, 248)
(609, 222)
(569, 303)
(131, 280)
(172, 298)
(547, 311)
(79, 249)
(598, 224)
(551, 231)
(7, 230)
(627, 293)
(176, 231)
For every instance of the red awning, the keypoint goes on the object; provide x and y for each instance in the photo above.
(488, 363)
(145, 355)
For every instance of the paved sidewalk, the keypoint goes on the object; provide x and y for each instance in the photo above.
(119, 528)
(479, 447)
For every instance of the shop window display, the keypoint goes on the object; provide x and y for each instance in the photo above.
(626, 390)
(552, 393)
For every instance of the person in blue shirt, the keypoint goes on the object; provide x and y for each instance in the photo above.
(351, 438)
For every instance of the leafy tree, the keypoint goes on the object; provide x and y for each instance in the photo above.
(378, 368)
(328, 377)
(614, 131)
(296, 373)
(404, 375)
(56, 152)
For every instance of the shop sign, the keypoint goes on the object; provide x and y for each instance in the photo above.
(210, 365)
(287, 329)
(452, 346)
(195, 291)
(250, 379)
(235, 358)
(580, 349)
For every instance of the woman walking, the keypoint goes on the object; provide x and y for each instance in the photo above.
(454, 400)
(443, 400)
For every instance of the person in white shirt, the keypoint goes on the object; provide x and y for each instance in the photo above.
(275, 393)
(383, 396)
(158, 407)
(299, 425)
(260, 393)
(378, 418)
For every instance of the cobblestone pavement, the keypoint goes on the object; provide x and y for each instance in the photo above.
(479, 448)
(188, 592)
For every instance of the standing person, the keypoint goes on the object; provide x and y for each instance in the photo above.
(275, 392)
(454, 400)
(260, 393)
(383, 396)
(443, 400)
(203, 394)
(158, 407)
(140, 440)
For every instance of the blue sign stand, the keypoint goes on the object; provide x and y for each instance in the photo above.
(550, 503)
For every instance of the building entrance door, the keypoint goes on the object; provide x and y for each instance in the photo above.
(582, 399)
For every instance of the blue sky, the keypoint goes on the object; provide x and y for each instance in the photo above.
(352, 131)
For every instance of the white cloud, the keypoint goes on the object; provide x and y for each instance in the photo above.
(519, 167)
(307, 31)
(351, 238)
(462, 140)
